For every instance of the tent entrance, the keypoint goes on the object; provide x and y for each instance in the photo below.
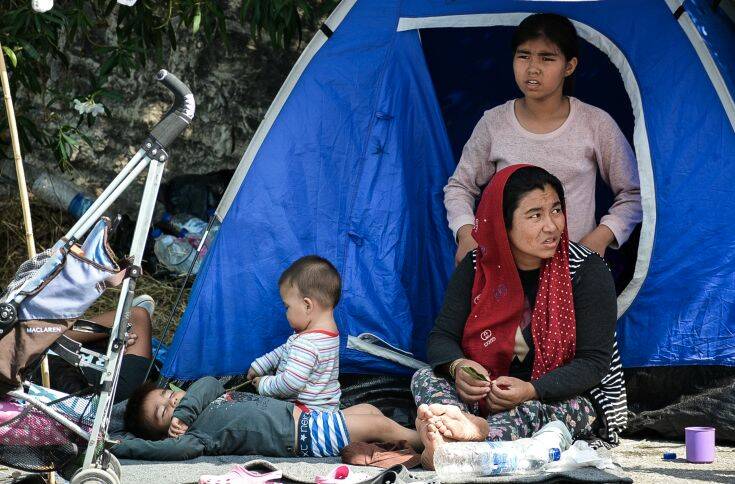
(470, 63)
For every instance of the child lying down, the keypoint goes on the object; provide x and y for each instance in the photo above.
(207, 420)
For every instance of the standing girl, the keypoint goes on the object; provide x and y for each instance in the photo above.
(550, 129)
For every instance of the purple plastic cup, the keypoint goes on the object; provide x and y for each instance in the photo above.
(700, 444)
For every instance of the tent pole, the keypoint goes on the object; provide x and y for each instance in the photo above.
(22, 188)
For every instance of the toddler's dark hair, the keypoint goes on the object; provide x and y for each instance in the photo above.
(558, 30)
(316, 278)
(135, 421)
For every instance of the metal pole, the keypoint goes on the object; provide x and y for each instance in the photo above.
(116, 345)
(135, 166)
(23, 189)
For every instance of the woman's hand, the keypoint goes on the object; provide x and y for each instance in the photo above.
(508, 392)
(471, 390)
(465, 243)
(599, 239)
(177, 428)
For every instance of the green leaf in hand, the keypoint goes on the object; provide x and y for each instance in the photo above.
(174, 388)
(474, 373)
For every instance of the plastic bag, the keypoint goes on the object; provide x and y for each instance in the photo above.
(579, 455)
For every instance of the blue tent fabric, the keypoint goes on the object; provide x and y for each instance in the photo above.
(353, 169)
(718, 32)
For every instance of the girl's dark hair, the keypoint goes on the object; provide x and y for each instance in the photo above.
(135, 421)
(523, 181)
(558, 29)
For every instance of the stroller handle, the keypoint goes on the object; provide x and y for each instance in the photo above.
(179, 116)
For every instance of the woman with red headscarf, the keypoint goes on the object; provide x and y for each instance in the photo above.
(527, 330)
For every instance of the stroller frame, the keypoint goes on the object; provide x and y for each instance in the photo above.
(99, 465)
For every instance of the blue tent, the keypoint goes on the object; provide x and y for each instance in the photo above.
(352, 156)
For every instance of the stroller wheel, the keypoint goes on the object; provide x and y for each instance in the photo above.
(95, 476)
(115, 467)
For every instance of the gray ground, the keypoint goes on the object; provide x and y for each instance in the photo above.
(640, 459)
(643, 463)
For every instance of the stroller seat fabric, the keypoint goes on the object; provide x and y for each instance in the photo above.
(32, 441)
(51, 291)
(33, 431)
(69, 281)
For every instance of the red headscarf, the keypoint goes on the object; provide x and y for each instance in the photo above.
(498, 299)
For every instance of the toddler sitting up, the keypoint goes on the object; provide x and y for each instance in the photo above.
(304, 370)
(207, 420)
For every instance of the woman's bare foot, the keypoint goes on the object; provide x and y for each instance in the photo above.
(455, 424)
(432, 440)
(421, 423)
(423, 413)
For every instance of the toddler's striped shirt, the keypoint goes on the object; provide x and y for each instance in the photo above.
(306, 370)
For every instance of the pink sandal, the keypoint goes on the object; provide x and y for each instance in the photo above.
(240, 475)
(341, 475)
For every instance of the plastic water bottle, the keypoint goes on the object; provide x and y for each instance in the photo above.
(61, 193)
(456, 461)
(174, 253)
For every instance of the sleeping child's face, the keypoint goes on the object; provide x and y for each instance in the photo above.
(158, 408)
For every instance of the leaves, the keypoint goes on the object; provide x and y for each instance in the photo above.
(30, 51)
(27, 130)
(474, 373)
(11, 56)
(116, 40)
(283, 20)
(64, 144)
(196, 21)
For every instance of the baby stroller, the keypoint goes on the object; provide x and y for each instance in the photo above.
(48, 296)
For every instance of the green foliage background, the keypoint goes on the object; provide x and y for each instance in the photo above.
(121, 40)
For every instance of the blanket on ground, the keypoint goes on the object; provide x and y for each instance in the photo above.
(305, 470)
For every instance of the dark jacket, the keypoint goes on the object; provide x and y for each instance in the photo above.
(220, 423)
(595, 308)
